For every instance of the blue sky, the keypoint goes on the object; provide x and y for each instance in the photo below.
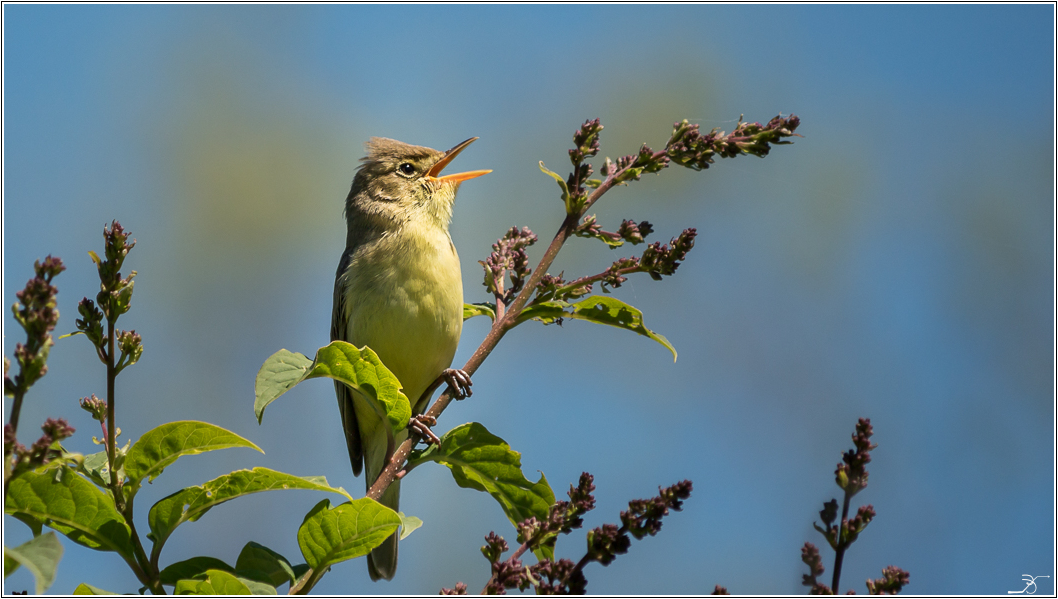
(895, 263)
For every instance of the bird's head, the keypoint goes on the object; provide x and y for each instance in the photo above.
(399, 182)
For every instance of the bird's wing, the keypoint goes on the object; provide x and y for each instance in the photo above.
(339, 328)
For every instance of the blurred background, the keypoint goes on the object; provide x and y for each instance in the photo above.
(896, 263)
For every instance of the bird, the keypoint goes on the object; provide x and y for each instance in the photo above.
(398, 290)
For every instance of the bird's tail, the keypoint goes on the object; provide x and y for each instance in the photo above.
(382, 561)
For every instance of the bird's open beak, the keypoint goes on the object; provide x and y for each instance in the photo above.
(448, 157)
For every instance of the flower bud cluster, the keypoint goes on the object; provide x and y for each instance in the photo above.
(553, 287)
(661, 259)
(461, 589)
(508, 574)
(564, 577)
(508, 257)
(852, 478)
(644, 515)
(95, 406)
(810, 556)
(851, 475)
(43, 450)
(494, 547)
(113, 300)
(35, 311)
(688, 147)
(632, 167)
(893, 580)
(115, 295)
(586, 140)
(628, 231)
(558, 578)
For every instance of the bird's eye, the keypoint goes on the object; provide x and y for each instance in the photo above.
(406, 168)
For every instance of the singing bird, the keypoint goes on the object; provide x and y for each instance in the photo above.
(398, 290)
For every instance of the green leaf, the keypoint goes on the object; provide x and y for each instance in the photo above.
(72, 506)
(352, 529)
(161, 446)
(191, 503)
(217, 582)
(562, 184)
(87, 589)
(257, 587)
(40, 555)
(94, 466)
(258, 559)
(360, 369)
(482, 461)
(598, 309)
(408, 524)
(192, 568)
(279, 373)
(472, 310)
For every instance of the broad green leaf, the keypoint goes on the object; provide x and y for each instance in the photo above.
(191, 503)
(72, 506)
(192, 568)
(598, 309)
(40, 555)
(562, 184)
(217, 582)
(408, 524)
(352, 529)
(161, 446)
(472, 310)
(482, 461)
(360, 369)
(258, 559)
(87, 589)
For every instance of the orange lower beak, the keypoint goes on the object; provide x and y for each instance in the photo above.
(436, 169)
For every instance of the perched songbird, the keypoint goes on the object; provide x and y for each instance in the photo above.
(398, 291)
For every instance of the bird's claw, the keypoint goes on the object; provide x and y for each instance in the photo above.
(421, 426)
(459, 382)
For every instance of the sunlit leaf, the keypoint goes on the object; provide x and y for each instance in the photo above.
(360, 369)
(191, 503)
(598, 309)
(72, 506)
(87, 589)
(219, 582)
(163, 445)
(482, 461)
(349, 530)
(472, 310)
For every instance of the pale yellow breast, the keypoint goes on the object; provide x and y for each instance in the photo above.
(404, 298)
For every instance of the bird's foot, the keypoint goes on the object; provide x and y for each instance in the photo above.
(459, 382)
(421, 424)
